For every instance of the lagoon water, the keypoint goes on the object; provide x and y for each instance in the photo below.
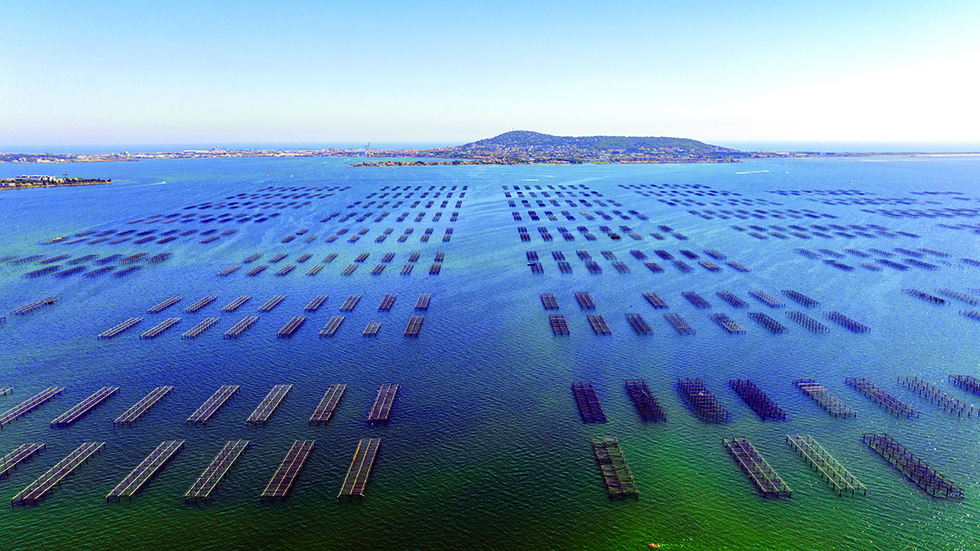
(485, 448)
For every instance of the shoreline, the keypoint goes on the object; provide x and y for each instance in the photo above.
(385, 157)
(502, 162)
(15, 183)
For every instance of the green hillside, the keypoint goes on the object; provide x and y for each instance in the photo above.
(527, 140)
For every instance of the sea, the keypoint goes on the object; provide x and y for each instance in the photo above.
(485, 447)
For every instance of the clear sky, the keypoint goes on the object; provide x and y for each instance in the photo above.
(205, 71)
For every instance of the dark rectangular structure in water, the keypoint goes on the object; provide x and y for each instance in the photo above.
(282, 481)
(360, 468)
(209, 479)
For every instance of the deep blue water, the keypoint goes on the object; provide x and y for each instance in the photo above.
(485, 448)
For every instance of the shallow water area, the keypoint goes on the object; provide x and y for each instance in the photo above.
(485, 447)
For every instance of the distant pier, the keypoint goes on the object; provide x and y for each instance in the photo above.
(229, 270)
(257, 270)
(924, 296)
(969, 299)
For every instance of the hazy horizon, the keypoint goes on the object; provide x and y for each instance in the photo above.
(810, 146)
(296, 72)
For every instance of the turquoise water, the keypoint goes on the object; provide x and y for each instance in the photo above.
(485, 448)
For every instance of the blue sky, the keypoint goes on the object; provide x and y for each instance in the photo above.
(238, 72)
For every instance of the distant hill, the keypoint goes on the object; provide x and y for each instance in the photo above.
(526, 139)
(524, 145)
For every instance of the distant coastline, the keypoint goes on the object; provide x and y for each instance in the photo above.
(32, 182)
(466, 162)
(510, 148)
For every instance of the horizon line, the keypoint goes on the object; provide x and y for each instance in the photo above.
(354, 144)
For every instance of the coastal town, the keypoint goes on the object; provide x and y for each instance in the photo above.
(510, 148)
(215, 153)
